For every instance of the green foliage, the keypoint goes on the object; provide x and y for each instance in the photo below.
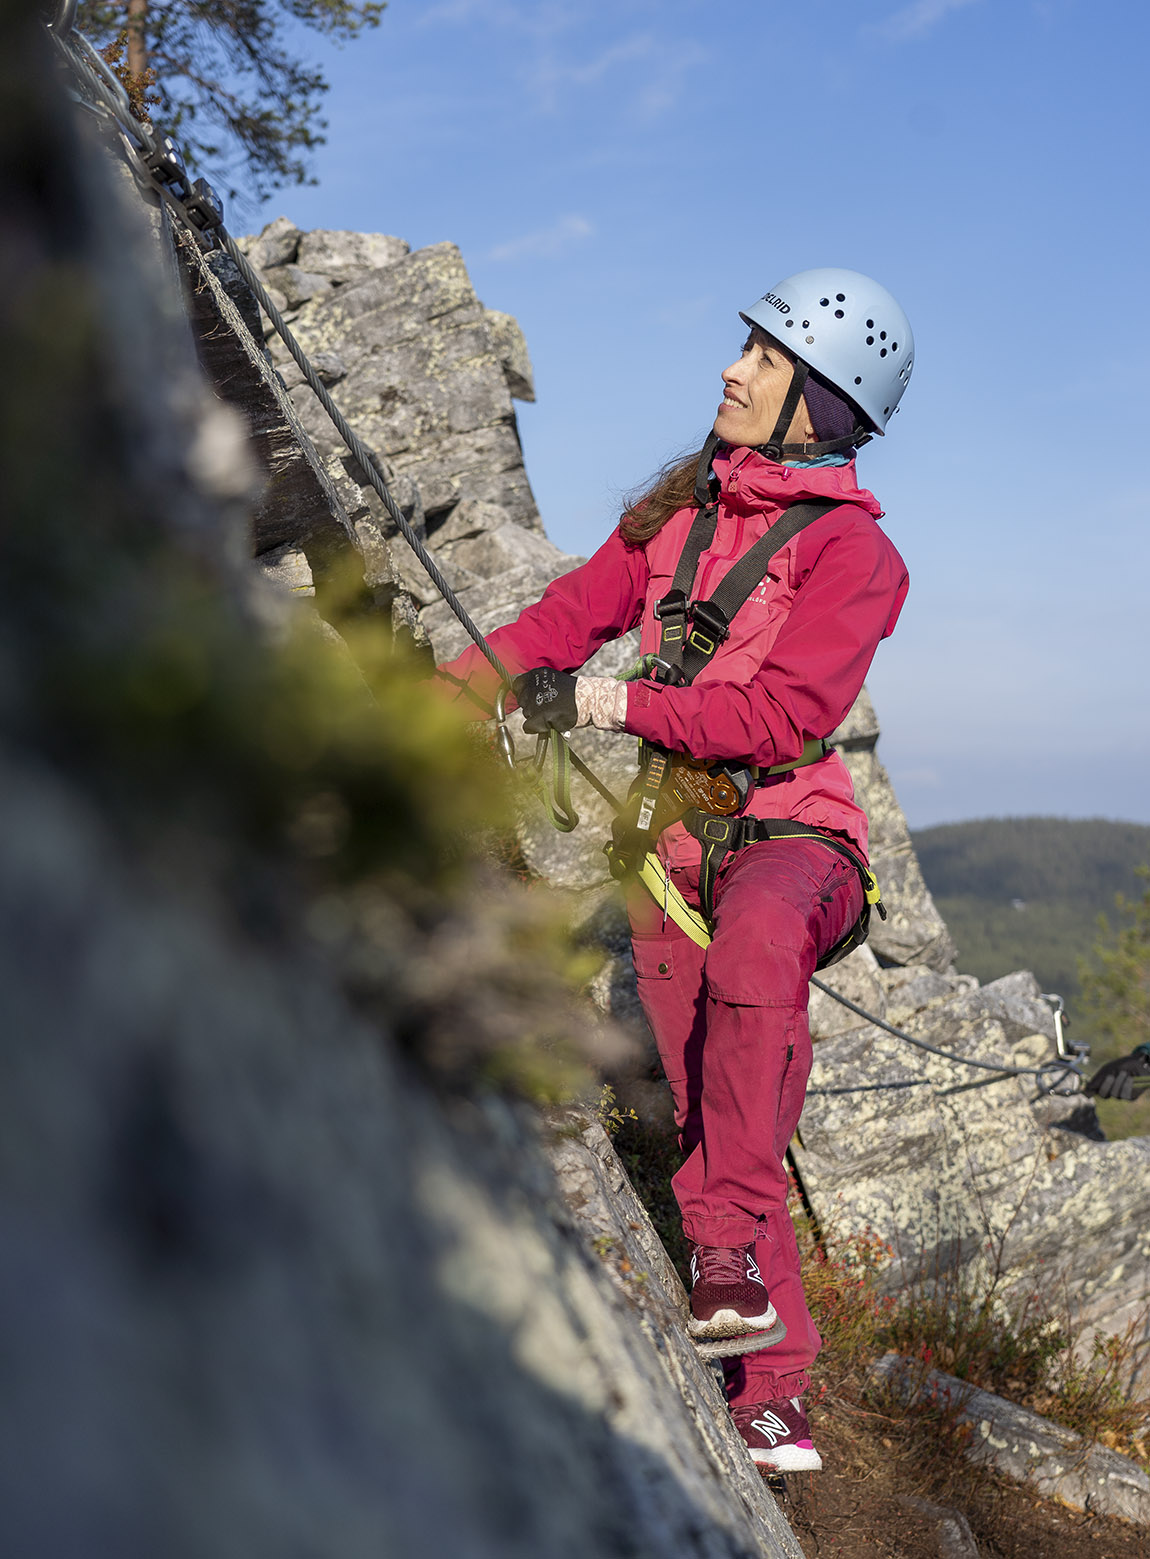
(1116, 977)
(1116, 1002)
(608, 1113)
(227, 86)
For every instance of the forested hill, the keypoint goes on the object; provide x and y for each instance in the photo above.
(1026, 892)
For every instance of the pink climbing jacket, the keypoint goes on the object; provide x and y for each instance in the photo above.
(798, 652)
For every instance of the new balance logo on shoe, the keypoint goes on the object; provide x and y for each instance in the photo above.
(771, 1427)
(778, 1435)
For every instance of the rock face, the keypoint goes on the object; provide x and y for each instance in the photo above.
(1030, 1449)
(269, 1288)
(427, 373)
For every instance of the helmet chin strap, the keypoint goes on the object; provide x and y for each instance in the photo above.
(776, 449)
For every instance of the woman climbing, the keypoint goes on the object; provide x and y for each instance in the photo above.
(763, 585)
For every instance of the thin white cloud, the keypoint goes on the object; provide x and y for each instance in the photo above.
(545, 243)
(914, 20)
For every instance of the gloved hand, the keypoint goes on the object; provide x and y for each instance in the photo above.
(547, 699)
(1118, 1079)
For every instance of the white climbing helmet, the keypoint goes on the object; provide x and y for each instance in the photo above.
(848, 329)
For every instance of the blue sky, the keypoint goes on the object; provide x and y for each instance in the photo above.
(625, 177)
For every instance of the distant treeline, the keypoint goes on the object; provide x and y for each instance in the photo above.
(1065, 872)
(1045, 859)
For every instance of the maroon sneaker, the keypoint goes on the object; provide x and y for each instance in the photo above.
(777, 1435)
(728, 1295)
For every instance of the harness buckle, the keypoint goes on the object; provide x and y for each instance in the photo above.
(713, 619)
(675, 601)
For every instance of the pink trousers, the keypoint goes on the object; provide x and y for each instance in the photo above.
(730, 1022)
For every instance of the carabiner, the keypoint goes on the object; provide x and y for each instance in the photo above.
(503, 738)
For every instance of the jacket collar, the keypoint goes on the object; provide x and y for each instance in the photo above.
(749, 480)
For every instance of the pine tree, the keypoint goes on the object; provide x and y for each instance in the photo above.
(218, 76)
(1116, 979)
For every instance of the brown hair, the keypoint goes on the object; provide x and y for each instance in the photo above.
(672, 488)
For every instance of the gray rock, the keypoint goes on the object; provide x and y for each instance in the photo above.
(1054, 1461)
(615, 1225)
(914, 931)
(951, 1528)
(280, 302)
(220, 1172)
(469, 518)
(344, 256)
(915, 989)
(857, 977)
(511, 350)
(425, 386)
(277, 244)
(287, 568)
(494, 552)
(860, 729)
(296, 285)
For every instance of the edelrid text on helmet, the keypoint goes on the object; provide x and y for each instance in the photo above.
(848, 329)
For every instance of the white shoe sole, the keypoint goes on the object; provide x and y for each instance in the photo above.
(788, 1458)
(731, 1347)
(729, 1323)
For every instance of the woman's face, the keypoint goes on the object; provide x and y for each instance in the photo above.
(755, 387)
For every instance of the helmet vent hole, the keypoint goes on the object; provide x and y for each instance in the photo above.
(870, 341)
(870, 324)
(840, 297)
(806, 324)
(790, 322)
(857, 379)
(883, 352)
(825, 302)
(838, 313)
(894, 346)
(810, 340)
(886, 411)
(882, 335)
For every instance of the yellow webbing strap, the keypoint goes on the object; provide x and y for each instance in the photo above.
(657, 883)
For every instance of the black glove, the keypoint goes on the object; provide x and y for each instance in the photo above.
(1120, 1079)
(547, 699)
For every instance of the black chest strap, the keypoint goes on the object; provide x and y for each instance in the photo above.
(692, 631)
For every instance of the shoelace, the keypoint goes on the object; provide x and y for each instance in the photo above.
(721, 1264)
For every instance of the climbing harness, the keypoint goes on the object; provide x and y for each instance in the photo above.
(691, 634)
(683, 654)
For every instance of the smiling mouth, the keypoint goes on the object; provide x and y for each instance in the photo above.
(727, 401)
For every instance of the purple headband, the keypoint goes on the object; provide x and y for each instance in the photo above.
(832, 415)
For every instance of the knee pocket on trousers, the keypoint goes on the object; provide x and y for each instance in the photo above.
(760, 974)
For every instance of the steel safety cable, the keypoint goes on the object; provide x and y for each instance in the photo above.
(947, 1055)
(367, 465)
(106, 86)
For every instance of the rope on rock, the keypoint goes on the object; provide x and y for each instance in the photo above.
(200, 210)
(1058, 1072)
